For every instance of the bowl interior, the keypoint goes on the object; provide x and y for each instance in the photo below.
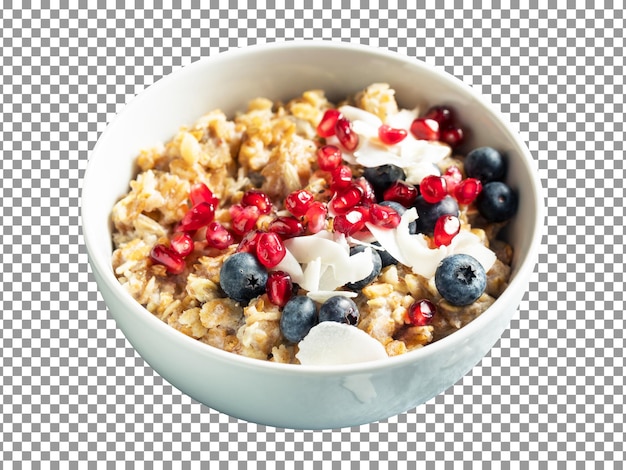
(281, 72)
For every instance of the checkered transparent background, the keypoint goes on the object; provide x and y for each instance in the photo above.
(552, 390)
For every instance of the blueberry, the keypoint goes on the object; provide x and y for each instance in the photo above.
(400, 209)
(460, 279)
(381, 177)
(497, 202)
(242, 277)
(429, 213)
(385, 258)
(378, 265)
(340, 309)
(485, 164)
(298, 317)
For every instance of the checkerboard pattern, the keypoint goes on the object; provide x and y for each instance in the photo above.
(552, 389)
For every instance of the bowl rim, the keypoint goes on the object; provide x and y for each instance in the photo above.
(522, 274)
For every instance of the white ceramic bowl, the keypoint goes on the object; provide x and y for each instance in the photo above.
(283, 395)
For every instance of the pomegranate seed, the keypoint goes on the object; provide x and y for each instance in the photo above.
(352, 221)
(369, 197)
(218, 237)
(286, 227)
(345, 200)
(425, 129)
(243, 218)
(433, 188)
(383, 216)
(326, 127)
(329, 157)
(164, 255)
(421, 312)
(182, 243)
(401, 192)
(279, 287)
(259, 199)
(346, 135)
(270, 249)
(199, 192)
(391, 136)
(453, 177)
(315, 217)
(452, 136)
(341, 178)
(467, 190)
(298, 202)
(197, 217)
(446, 228)
(444, 115)
(249, 242)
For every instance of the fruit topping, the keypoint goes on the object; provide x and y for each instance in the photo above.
(286, 227)
(270, 249)
(497, 202)
(421, 312)
(279, 287)
(243, 218)
(453, 136)
(384, 216)
(391, 136)
(242, 277)
(382, 177)
(315, 217)
(446, 228)
(182, 244)
(346, 199)
(329, 157)
(298, 202)
(249, 242)
(259, 199)
(339, 309)
(428, 213)
(453, 177)
(352, 221)
(173, 262)
(460, 279)
(197, 217)
(485, 164)
(199, 192)
(467, 190)
(444, 115)
(425, 129)
(346, 135)
(326, 127)
(385, 257)
(299, 315)
(402, 193)
(433, 188)
(376, 267)
(341, 178)
(218, 236)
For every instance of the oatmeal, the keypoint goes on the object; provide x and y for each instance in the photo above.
(261, 233)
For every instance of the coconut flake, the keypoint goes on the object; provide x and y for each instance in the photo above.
(333, 343)
(307, 248)
(416, 173)
(312, 272)
(469, 244)
(413, 250)
(357, 114)
(365, 130)
(322, 296)
(403, 118)
(290, 265)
